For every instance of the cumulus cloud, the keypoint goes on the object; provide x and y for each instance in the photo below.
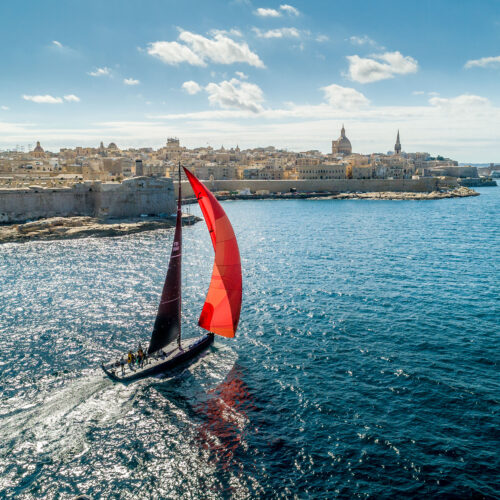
(43, 99)
(322, 38)
(277, 33)
(235, 94)
(174, 53)
(484, 62)
(241, 75)
(198, 49)
(71, 98)
(191, 87)
(100, 72)
(267, 12)
(4, 108)
(131, 81)
(344, 97)
(289, 10)
(380, 66)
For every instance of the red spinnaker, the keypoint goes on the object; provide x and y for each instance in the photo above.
(221, 311)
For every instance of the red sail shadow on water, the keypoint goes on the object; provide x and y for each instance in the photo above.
(226, 413)
(221, 311)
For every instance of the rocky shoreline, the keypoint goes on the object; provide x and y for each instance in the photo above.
(60, 228)
(460, 192)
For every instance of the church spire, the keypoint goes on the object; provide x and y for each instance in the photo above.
(397, 146)
(342, 132)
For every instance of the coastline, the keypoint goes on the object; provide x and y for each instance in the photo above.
(459, 192)
(65, 228)
(62, 228)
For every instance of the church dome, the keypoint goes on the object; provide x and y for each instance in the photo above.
(112, 145)
(344, 143)
(38, 148)
(342, 146)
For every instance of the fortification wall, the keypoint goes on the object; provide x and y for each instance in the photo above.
(422, 185)
(131, 198)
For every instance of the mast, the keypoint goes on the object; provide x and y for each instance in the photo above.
(167, 327)
(179, 218)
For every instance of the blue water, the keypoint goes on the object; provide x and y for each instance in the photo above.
(366, 364)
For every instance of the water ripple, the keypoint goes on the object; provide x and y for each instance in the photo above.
(366, 363)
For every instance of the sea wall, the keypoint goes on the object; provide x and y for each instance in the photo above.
(423, 185)
(131, 198)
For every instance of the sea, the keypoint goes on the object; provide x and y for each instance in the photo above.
(366, 364)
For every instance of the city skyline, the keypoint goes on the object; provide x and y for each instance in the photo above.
(253, 74)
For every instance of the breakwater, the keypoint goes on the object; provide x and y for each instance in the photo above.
(331, 186)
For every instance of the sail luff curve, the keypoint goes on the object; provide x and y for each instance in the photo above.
(221, 310)
(167, 327)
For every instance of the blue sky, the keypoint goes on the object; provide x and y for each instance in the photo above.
(253, 73)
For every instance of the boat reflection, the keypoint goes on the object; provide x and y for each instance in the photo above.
(226, 420)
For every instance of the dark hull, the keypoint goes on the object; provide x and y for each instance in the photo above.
(155, 367)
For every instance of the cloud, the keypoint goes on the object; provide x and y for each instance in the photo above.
(277, 33)
(174, 53)
(221, 49)
(231, 32)
(235, 94)
(380, 66)
(43, 99)
(49, 99)
(100, 72)
(4, 108)
(289, 10)
(71, 98)
(131, 81)
(267, 12)
(460, 102)
(362, 40)
(198, 49)
(241, 75)
(322, 38)
(191, 87)
(57, 44)
(424, 127)
(484, 62)
(418, 92)
(344, 97)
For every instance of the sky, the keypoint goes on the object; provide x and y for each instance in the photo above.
(253, 73)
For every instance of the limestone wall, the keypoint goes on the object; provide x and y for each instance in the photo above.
(131, 198)
(422, 185)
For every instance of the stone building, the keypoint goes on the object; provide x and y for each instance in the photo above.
(38, 152)
(342, 146)
(321, 171)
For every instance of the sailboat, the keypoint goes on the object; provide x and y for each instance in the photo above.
(221, 311)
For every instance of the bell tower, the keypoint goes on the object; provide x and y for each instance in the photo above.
(397, 146)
